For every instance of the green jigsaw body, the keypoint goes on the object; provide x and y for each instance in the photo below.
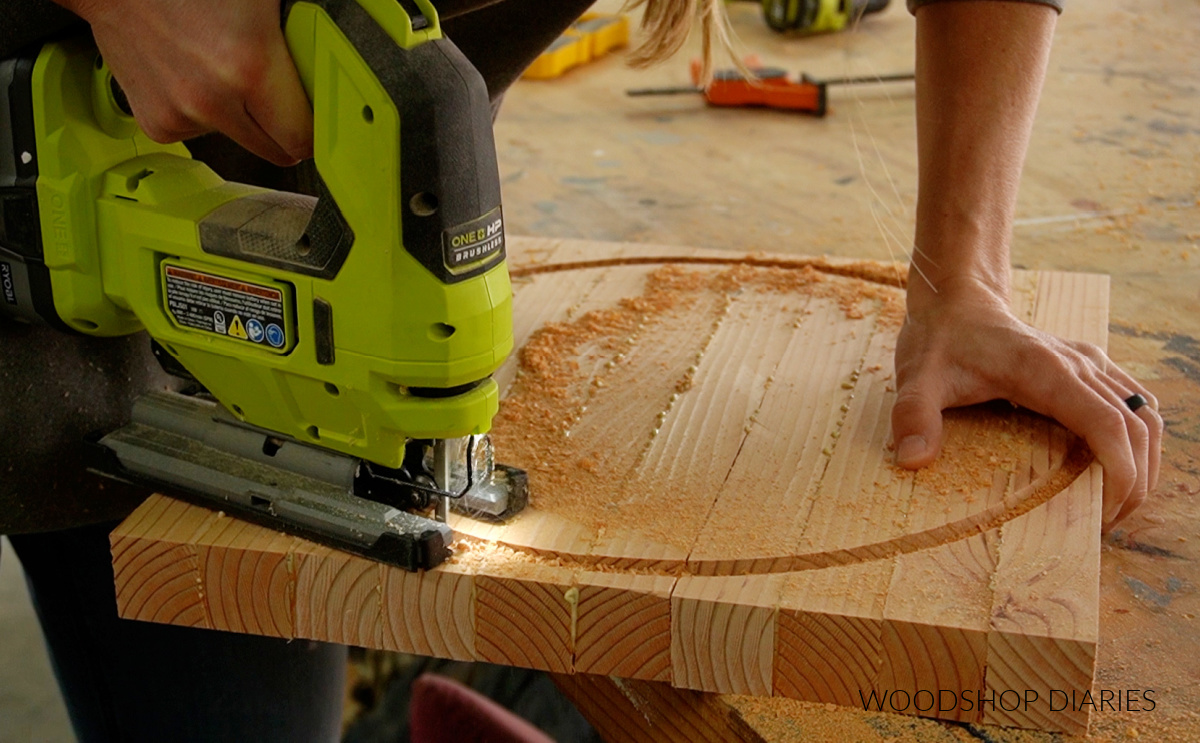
(354, 322)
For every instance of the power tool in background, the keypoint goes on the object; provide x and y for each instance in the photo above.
(344, 344)
(816, 16)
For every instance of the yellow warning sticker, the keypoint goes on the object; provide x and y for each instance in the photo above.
(236, 329)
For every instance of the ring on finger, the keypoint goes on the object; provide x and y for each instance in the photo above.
(1135, 401)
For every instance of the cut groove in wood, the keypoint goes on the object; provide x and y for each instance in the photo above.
(573, 367)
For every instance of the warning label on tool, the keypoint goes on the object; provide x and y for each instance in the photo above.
(223, 306)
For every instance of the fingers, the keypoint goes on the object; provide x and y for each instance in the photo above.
(1144, 427)
(917, 423)
(1106, 365)
(1154, 425)
(257, 100)
(243, 128)
(266, 109)
(280, 109)
(1089, 397)
(1125, 385)
(1146, 422)
(169, 123)
(1117, 498)
(1092, 411)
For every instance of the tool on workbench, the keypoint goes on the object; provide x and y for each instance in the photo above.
(344, 344)
(770, 88)
(589, 38)
(816, 16)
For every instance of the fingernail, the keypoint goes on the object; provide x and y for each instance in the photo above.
(910, 448)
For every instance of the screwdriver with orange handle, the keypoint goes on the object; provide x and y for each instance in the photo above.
(770, 88)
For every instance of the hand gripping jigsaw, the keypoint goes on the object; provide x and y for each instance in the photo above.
(343, 344)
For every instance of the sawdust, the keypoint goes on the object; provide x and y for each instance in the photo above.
(474, 555)
(567, 366)
(631, 363)
(981, 443)
(791, 721)
(552, 390)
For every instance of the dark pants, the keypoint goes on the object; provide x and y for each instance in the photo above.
(134, 681)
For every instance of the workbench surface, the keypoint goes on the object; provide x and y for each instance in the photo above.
(1112, 185)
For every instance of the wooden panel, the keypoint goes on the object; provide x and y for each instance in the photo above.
(429, 614)
(623, 626)
(713, 506)
(249, 581)
(642, 403)
(525, 623)
(723, 633)
(157, 569)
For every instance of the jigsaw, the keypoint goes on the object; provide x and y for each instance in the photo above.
(340, 347)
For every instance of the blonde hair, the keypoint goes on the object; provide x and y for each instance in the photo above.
(667, 23)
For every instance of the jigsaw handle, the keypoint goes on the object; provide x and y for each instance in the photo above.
(372, 67)
(400, 68)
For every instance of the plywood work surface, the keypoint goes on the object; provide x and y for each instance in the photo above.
(714, 505)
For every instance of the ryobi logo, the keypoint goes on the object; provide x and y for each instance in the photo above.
(7, 282)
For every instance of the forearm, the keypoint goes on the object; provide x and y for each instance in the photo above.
(83, 8)
(980, 67)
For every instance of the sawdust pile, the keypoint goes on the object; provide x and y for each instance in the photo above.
(791, 721)
(568, 366)
(982, 443)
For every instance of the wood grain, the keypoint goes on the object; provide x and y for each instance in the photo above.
(827, 355)
(713, 507)
(429, 614)
(623, 626)
(157, 575)
(525, 622)
(723, 633)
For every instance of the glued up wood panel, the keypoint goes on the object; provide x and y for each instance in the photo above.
(714, 505)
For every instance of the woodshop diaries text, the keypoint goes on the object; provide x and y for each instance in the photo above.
(1010, 700)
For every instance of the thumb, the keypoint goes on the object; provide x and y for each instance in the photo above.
(916, 424)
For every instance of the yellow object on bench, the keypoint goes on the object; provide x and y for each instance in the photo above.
(590, 37)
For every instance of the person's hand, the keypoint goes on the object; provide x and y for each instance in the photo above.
(963, 346)
(189, 68)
